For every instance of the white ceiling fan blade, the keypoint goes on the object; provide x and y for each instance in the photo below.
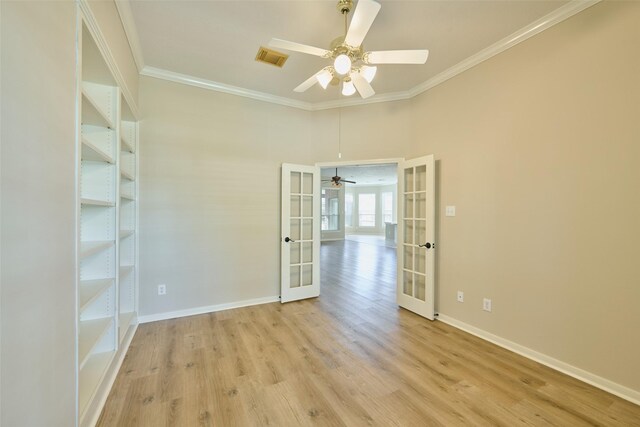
(396, 57)
(363, 86)
(364, 15)
(308, 83)
(297, 47)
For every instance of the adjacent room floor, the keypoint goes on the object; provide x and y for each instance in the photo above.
(348, 358)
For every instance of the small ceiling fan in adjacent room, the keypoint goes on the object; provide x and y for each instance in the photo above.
(351, 65)
(337, 181)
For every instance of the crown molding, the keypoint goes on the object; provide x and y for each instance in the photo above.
(186, 79)
(562, 13)
(93, 27)
(131, 32)
(536, 27)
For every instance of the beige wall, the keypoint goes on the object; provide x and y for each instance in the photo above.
(210, 186)
(535, 147)
(38, 211)
(538, 148)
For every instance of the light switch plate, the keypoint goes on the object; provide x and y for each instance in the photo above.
(450, 211)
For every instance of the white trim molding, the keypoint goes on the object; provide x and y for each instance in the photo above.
(619, 390)
(206, 309)
(130, 30)
(547, 21)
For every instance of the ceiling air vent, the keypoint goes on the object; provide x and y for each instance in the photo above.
(271, 57)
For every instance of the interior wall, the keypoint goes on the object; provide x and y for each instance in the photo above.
(38, 213)
(538, 150)
(210, 186)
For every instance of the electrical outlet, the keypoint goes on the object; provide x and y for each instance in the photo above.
(486, 304)
(162, 289)
(460, 296)
(450, 211)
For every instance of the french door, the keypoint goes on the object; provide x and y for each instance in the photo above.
(300, 240)
(416, 235)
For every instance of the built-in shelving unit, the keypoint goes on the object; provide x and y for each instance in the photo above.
(107, 304)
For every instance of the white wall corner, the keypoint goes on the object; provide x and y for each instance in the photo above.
(206, 309)
(130, 30)
(609, 386)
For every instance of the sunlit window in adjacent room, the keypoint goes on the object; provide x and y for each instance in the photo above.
(367, 210)
(330, 209)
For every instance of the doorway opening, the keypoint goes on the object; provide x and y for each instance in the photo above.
(359, 230)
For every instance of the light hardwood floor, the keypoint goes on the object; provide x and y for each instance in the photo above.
(348, 358)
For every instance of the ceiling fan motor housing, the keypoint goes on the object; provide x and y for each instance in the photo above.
(344, 6)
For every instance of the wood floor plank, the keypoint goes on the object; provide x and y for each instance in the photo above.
(348, 358)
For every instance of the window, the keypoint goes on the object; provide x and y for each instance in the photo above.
(387, 206)
(348, 209)
(366, 210)
(330, 209)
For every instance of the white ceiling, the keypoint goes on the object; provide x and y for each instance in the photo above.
(365, 174)
(218, 40)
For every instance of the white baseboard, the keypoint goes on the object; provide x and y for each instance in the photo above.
(602, 383)
(206, 309)
(92, 414)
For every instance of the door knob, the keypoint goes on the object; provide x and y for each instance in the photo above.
(286, 239)
(427, 245)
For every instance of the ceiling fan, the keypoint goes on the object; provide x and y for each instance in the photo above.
(352, 66)
(337, 181)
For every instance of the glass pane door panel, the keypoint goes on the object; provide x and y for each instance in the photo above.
(294, 281)
(295, 253)
(307, 252)
(307, 229)
(408, 180)
(408, 257)
(420, 286)
(307, 275)
(421, 232)
(296, 183)
(421, 205)
(307, 207)
(408, 205)
(407, 283)
(421, 178)
(408, 231)
(420, 261)
(295, 206)
(307, 183)
(294, 232)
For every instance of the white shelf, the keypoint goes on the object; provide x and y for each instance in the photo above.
(90, 290)
(125, 233)
(127, 145)
(91, 152)
(92, 111)
(125, 322)
(95, 202)
(91, 248)
(125, 269)
(127, 174)
(90, 333)
(90, 376)
(126, 196)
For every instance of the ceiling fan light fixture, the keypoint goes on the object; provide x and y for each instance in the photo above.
(342, 64)
(324, 78)
(368, 72)
(348, 88)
